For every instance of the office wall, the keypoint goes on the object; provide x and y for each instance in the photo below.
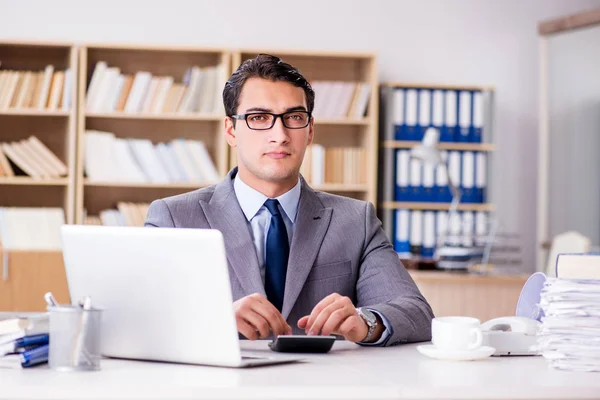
(445, 41)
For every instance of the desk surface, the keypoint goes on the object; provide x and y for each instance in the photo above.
(347, 372)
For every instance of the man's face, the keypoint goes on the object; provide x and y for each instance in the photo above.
(273, 155)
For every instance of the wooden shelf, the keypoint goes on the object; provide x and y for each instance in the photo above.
(130, 59)
(164, 116)
(143, 185)
(405, 144)
(55, 128)
(336, 132)
(394, 205)
(416, 85)
(342, 187)
(25, 180)
(26, 112)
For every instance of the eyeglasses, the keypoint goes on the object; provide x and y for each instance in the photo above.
(261, 121)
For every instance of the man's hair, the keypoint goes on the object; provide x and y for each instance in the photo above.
(268, 67)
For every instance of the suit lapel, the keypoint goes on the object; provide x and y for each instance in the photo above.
(223, 213)
(311, 225)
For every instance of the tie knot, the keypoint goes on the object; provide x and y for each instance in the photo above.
(271, 205)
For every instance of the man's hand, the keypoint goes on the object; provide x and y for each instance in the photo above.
(256, 318)
(337, 315)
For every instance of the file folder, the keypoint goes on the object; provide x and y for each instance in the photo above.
(464, 117)
(411, 116)
(402, 231)
(450, 117)
(424, 112)
(416, 232)
(478, 117)
(416, 180)
(480, 177)
(398, 107)
(402, 187)
(428, 234)
(468, 177)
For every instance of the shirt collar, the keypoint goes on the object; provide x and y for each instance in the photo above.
(251, 200)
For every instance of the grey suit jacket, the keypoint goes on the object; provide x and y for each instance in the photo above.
(338, 246)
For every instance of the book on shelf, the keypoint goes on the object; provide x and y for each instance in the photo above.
(31, 157)
(111, 159)
(48, 89)
(126, 214)
(111, 90)
(337, 99)
(31, 228)
(337, 165)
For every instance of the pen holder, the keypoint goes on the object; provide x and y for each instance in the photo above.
(75, 336)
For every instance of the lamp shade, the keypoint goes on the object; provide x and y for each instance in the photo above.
(427, 150)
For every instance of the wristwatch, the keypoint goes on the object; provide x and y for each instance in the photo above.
(371, 321)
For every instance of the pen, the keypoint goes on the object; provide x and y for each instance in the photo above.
(50, 300)
(79, 347)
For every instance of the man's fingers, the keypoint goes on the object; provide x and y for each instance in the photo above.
(246, 329)
(336, 318)
(319, 308)
(348, 328)
(258, 323)
(322, 318)
(302, 322)
(273, 317)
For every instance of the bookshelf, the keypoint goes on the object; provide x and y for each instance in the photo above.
(164, 123)
(337, 129)
(463, 116)
(52, 122)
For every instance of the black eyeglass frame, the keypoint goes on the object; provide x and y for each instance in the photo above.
(275, 116)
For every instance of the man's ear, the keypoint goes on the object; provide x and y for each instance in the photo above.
(229, 131)
(311, 131)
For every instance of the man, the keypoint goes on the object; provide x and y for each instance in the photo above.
(300, 261)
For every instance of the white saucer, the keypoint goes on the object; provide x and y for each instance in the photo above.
(456, 355)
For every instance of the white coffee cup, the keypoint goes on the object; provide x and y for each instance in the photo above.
(456, 333)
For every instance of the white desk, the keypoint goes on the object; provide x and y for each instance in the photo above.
(347, 372)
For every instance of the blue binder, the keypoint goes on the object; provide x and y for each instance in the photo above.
(424, 112)
(401, 186)
(450, 116)
(401, 231)
(477, 117)
(399, 114)
(465, 117)
(411, 129)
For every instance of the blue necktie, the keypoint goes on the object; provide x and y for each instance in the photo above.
(277, 252)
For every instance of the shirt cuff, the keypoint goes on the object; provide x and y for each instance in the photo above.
(389, 331)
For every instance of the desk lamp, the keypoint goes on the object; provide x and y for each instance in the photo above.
(427, 152)
(447, 257)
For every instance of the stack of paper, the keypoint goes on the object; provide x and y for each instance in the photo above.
(570, 333)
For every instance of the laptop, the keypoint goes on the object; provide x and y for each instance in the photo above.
(165, 292)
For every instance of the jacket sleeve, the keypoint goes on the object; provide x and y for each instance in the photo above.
(385, 286)
(159, 215)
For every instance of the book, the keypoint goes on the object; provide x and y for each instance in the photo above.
(23, 324)
(23, 344)
(578, 266)
(28, 358)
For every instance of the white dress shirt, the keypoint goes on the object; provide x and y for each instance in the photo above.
(252, 203)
